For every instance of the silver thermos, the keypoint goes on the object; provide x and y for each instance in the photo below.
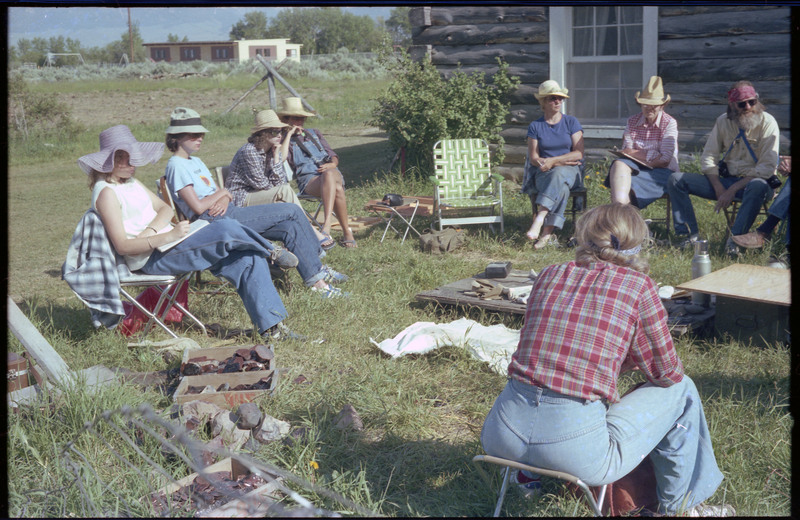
(701, 266)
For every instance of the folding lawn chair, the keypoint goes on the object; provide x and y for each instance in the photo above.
(596, 505)
(463, 181)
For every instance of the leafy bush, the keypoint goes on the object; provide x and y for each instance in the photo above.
(36, 115)
(420, 107)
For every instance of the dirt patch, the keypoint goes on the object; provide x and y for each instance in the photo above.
(113, 108)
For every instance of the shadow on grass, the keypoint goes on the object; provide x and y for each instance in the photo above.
(361, 162)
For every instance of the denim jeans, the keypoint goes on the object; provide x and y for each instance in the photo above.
(681, 185)
(780, 206)
(288, 224)
(235, 253)
(648, 184)
(552, 190)
(599, 445)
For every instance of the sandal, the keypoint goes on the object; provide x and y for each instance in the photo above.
(326, 243)
(543, 242)
(348, 244)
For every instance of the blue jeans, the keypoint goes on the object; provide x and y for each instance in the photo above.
(286, 223)
(599, 445)
(681, 185)
(551, 189)
(235, 253)
(647, 184)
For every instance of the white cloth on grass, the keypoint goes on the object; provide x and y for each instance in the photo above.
(494, 344)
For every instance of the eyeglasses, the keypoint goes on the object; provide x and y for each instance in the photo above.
(553, 99)
(744, 104)
(195, 136)
(272, 132)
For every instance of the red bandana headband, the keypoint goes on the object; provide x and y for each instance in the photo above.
(740, 94)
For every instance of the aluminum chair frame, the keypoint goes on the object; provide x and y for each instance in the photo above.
(168, 287)
(472, 160)
(596, 505)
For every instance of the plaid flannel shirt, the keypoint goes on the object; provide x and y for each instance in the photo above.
(583, 326)
(659, 140)
(250, 172)
(93, 270)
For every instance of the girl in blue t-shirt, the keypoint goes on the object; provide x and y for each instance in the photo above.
(555, 157)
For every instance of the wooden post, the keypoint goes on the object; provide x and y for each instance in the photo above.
(37, 346)
(273, 104)
(259, 82)
(277, 76)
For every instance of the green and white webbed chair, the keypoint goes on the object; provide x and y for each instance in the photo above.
(465, 185)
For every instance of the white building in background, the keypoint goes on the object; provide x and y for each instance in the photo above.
(275, 49)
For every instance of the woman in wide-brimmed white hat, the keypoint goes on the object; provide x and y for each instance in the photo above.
(555, 156)
(137, 222)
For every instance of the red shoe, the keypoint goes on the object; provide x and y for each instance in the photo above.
(752, 240)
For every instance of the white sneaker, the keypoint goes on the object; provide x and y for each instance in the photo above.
(708, 510)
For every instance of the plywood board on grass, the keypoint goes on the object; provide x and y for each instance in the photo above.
(747, 282)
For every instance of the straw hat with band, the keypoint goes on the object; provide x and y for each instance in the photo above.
(653, 93)
(185, 121)
(293, 106)
(550, 88)
(120, 138)
(267, 119)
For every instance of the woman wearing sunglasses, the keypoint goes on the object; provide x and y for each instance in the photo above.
(739, 161)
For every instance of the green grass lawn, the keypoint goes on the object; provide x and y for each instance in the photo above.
(422, 414)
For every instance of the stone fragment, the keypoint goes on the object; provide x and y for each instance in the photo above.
(249, 416)
(263, 353)
(271, 429)
(348, 418)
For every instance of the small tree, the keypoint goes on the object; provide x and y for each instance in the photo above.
(420, 107)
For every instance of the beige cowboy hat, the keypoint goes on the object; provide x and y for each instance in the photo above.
(120, 138)
(267, 119)
(185, 121)
(550, 88)
(653, 93)
(293, 106)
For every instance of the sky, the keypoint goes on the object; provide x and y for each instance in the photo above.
(99, 26)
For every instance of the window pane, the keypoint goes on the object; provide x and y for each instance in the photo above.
(606, 15)
(609, 74)
(631, 14)
(581, 75)
(629, 104)
(582, 42)
(631, 40)
(582, 16)
(606, 41)
(607, 104)
(631, 75)
(582, 104)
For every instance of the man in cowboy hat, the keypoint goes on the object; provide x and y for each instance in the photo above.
(739, 160)
(316, 167)
(651, 140)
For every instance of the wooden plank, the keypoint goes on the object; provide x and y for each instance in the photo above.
(748, 282)
(754, 46)
(482, 54)
(37, 346)
(770, 68)
(753, 21)
(467, 14)
(484, 34)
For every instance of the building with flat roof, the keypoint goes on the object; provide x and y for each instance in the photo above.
(216, 51)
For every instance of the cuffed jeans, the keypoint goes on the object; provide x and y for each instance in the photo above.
(780, 207)
(235, 253)
(647, 184)
(681, 185)
(599, 445)
(288, 224)
(551, 189)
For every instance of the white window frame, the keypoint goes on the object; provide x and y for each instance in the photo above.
(561, 51)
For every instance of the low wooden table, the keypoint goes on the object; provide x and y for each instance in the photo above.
(453, 293)
(411, 207)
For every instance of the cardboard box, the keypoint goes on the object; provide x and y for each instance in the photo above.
(221, 353)
(264, 495)
(765, 324)
(228, 399)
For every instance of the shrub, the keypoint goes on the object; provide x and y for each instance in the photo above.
(420, 107)
(36, 115)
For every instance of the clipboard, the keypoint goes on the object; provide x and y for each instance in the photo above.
(623, 155)
(194, 227)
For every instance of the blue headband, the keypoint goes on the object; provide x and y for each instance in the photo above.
(615, 244)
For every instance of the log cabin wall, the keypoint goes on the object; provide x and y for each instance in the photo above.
(702, 51)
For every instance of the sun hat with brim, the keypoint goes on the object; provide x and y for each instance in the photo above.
(267, 119)
(293, 106)
(185, 121)
(550, 88)
(653, 93)
(120, 138)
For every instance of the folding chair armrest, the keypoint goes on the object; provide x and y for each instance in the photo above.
(434, 180)
(497, 177)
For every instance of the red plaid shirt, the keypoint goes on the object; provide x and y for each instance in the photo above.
(660, 139)
(583, 326)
